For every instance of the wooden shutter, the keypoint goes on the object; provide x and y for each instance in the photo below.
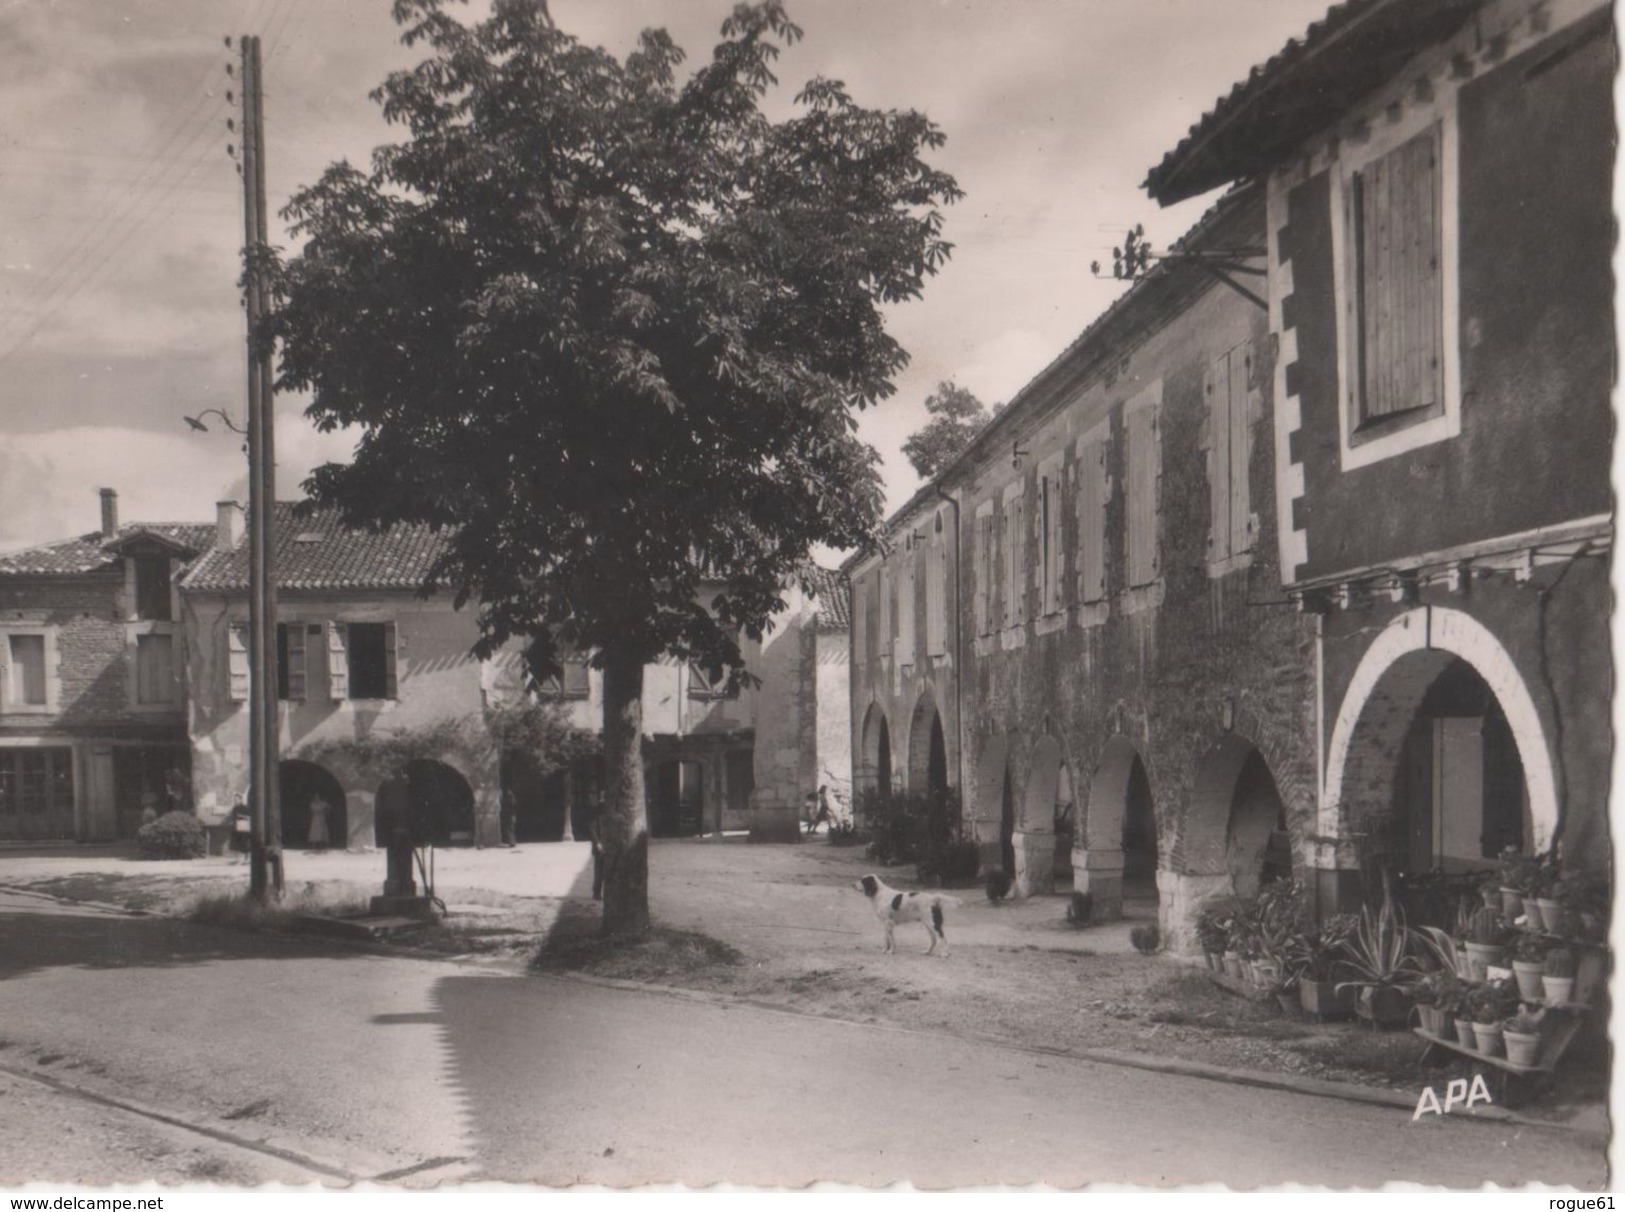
(905, 612)
(1015, 559)
(888, 614)
(391, 661)
(1398, 303)
(860, 623)
(937, 601)
(237, 662)
(1094, 492)
(1241, 448)
(294, 640)
(1141, 425)
(984, 572)
(1054, 551)
(1216, 391)
(338, 662)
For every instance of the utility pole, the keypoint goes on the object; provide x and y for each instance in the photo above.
(265, 854)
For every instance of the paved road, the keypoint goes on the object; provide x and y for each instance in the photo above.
(366, 1065)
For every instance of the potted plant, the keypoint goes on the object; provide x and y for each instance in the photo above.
(1494, 1002)
(1543, 887)
(1489, 890)
(1529, 963)
(1584, 899)
(1433, 995)
(1212, 933)
(1315, 957)
(1462, 1013)
(1521, 1033)
(1487, 937)
(1381, 965)
(1515, 867)
(1238, 949)
(1557, 982)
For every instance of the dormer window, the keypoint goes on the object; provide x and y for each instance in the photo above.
(152, 600)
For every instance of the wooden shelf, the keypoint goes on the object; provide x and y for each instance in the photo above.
(1499, 1062)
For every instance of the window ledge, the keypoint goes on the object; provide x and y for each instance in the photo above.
(1013, 637)
(1046, 624)
(1141, 598)
(1235, 563)
(1092, 614)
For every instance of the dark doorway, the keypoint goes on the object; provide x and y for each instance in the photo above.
(1139, 838)
(441, 804)
(1007, 827)
(936, 770)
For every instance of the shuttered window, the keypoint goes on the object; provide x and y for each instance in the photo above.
(155, 670)
(936, 599)
(1094, 492)
(1142, 454)
(369, 651)
(1051, 553)
(1228, 390)
(905, 611)
(860, 622)
(887, 629)
(984, 570)
(25, 680)
(1015, 559)
(1397, 303)
(290, 662)
(338, 662)
(237, 661)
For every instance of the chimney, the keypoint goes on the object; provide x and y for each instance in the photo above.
(109, 513)
(228, 525)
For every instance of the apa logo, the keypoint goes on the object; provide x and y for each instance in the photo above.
(1457, 1092)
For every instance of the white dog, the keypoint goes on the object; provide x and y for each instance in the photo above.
(892, 906)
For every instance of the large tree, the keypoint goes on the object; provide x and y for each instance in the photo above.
(956, 416)
(611, 328)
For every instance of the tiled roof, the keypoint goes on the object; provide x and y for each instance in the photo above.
(89, 552)
(829, 587)
(314, 552)
(1303, 88)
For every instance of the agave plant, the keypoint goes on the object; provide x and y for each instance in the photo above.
(1441, 949)
(1379, 955)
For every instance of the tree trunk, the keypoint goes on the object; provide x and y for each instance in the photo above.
(625, 828)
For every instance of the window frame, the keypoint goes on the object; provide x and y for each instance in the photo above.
(1143, 411)
(135, 633)
(389, 670)
(53, 687)
(1365, 441)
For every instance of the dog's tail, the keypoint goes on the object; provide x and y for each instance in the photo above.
(952, 902)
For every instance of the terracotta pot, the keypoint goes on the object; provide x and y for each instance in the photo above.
(1480, 956)
(1521, 1049)
(1531, 915)
(1433, 1019)
(1558, 989)
(1511, 903)
(1529, 977)
(1551, 914)
(1383, 1005)
(1489, 1038)
(1323, 999)
(1464, 1032)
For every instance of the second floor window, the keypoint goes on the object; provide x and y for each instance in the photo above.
(152, 588)
(1144, 458)
(25, 683)
(1094, 493)
(701, 685)
(155, 683)
(290, 662)
(370, 666)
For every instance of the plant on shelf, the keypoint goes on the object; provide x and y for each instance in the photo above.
(1585, 899)
(1516, 871)
(1487, 937)
(1529, 949)
(1381, 964)
(1557, 982)
(1438, 997)
(1315, 957)
(1491, 1007)
(1521, 1033)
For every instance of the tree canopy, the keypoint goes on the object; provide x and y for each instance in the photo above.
(611, 327)
(956, 416)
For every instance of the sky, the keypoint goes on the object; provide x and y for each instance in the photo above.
(121, 212)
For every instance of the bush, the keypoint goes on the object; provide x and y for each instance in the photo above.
(998, 885)
(961, 862)
(175, 835)
(1146, 939)
(1080, 909)
(924, 829)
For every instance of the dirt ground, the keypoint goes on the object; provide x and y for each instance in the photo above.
(798, 935)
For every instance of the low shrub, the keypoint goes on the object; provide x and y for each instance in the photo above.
(1146, 939)
(175, 835)
(1080, 909)
(998, 885)
(843, 833)
(956, 865)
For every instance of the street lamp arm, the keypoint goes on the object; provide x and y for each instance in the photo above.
(197, 421)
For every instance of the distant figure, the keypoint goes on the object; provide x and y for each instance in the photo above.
(506, 814)
(241, 827)
(318, 835)
(823, 813)
(595, 833)
(149, 807)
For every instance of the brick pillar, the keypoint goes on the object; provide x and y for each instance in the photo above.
(1035, 864)
(1100, 873)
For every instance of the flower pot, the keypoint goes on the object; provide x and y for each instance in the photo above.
(1464, 1032)
(1433, 1019)
(1511, 903)
(1521, 1048)
(1383, 1006)
(1529, 975)
(1531, 914)
(1551, 914)
(1489, 1038)
(1323, 999)
(1558, 989)
(1491, 897)
(1479, 958)
(1232, 965)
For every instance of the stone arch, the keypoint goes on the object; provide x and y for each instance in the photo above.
(927, 746)
(1118, 811)
(1384, 696)
(875, 768)
(440, 803)
(1235, 808)
(1034, 840)
(302, 787)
